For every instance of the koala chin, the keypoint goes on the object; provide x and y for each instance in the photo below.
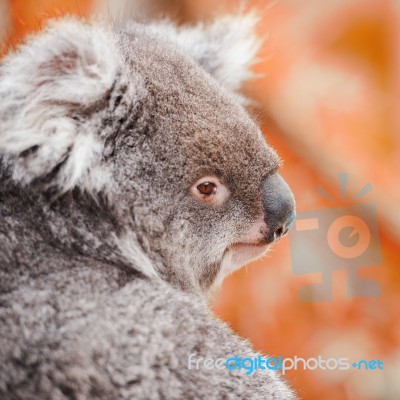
(132, 180)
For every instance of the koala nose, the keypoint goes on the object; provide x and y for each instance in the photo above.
(279, 207)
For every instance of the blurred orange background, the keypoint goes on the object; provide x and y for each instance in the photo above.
(328, 97)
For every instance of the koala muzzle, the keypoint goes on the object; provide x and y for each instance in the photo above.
(279, 207)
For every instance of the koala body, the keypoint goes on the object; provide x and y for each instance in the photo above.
(132, 180)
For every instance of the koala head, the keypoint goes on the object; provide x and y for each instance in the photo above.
(147, 117)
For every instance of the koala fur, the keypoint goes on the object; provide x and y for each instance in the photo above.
(106, 260)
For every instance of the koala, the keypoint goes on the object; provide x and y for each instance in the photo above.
(132, 181)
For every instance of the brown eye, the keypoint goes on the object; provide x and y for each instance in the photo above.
(207, 188)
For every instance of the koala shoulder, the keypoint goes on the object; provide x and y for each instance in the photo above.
(134, 343)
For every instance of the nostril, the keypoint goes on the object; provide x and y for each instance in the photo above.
(284, 228)
(278, 233)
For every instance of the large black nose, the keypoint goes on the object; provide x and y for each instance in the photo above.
(279, 207)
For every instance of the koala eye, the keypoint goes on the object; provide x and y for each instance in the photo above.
(210, 190)
(207, 188)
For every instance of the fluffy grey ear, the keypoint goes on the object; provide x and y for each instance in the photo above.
(226, 47)
(46, 87)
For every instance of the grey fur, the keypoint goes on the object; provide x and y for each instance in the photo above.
(106, 261)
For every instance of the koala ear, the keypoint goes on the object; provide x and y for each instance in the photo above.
(226, 47)
(46, 88)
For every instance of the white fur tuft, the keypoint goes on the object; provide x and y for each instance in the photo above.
(45, 86)
(135, 255)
